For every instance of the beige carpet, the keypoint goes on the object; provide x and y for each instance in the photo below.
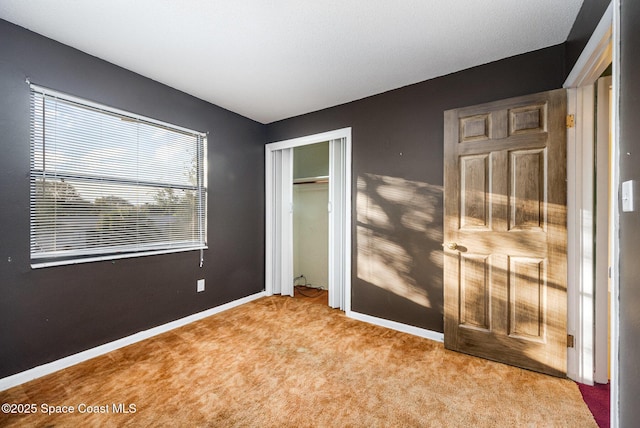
(283, 362)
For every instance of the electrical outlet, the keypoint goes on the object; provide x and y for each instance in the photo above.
(200, 286)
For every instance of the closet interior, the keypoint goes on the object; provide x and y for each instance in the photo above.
(311, 221)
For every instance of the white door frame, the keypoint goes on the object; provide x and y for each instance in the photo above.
(279, 207)
(600, 51)
(580, 250)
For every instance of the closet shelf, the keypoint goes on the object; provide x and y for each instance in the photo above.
(311, 180)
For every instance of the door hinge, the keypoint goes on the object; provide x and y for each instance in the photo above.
(571, 121)
(570, 341)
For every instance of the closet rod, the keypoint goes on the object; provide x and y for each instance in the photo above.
(311, 180)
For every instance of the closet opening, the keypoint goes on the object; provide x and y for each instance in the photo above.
(308, 217)
(311, 222)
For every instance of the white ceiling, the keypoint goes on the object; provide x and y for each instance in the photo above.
(273, 59)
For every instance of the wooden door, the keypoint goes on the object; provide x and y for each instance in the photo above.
(505, 231)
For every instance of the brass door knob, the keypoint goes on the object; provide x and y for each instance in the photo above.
(450, 245)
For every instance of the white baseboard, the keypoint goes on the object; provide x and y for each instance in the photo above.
(393, 325)
(63, 363)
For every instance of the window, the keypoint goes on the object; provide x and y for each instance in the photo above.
(108, 184)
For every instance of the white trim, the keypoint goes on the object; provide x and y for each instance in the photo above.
(594, 59)
(596, 55)
(102, 107)
(580, 284)
(573, 262)
(115, 257)
(615, 222)
(277, 259)
(393, 325)
(71, 360)
(602, 49)
(310, 139)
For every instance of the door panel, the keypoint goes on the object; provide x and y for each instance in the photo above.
(527, 292)
(527, 192)
(505, 231)
(474, 171)
(474, 291)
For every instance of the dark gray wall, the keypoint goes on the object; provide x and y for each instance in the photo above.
(397, 176)
(50, 313)
(629, 350)
(586, 21)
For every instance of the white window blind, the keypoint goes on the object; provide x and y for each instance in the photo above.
(108, 184)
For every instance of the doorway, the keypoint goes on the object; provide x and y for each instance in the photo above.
(279, 227)
(311, 222)
(591, 204)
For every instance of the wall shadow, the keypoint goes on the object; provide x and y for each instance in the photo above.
(398, 244)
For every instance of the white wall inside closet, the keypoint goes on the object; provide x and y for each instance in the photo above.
(310, 214)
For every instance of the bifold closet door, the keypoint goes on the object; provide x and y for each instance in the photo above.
(338, 227)
(279, 243)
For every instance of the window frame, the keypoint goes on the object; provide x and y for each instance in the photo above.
(84, 255)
